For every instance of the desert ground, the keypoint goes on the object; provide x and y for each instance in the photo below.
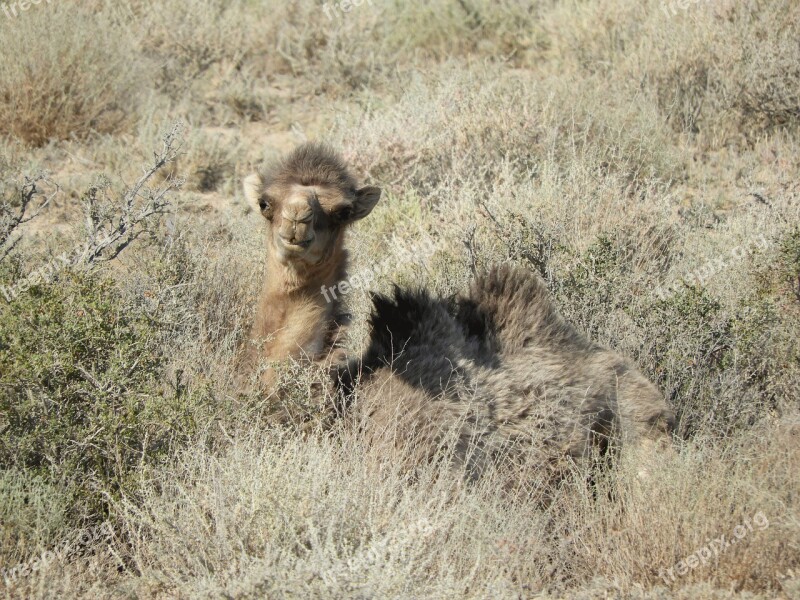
(641, 156)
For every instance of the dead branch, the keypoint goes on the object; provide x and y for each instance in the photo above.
(112, 229)
(30, 201)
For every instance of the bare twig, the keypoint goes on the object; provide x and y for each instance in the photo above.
(31, 200)
(469, 243)
(109, 234)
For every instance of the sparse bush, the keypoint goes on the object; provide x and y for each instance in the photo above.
(67, 71)
(210, 163)
(481, 129)
(20, 203)
(736, 75)
(194, 36)
(308, 517)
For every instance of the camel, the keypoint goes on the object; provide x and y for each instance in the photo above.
(308, 200)
(493, 375)
(497, 375)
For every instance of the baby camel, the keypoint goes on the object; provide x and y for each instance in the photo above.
(308, 199)
(497, 376)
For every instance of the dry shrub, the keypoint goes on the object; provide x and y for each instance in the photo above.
(33, 512)
(769, 80)
(733, 72)
(363, 534)
(274, 514)
(210, 162)
(642, 528)
(725, 70)
(193, 37)
(474, 125)
(205, 287)
(341, 49)
(67, 71)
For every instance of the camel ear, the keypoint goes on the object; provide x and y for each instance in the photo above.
(253, 185)
(252, 188)
(366, 199)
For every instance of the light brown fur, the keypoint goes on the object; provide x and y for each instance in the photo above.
(308, 200)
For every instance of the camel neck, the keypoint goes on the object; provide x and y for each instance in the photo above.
(288, 280)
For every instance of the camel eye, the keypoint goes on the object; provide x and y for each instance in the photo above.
(266, 207)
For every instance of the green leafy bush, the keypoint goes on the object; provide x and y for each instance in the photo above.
(78, 396)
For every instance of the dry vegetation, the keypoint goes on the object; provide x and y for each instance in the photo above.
(619, 150)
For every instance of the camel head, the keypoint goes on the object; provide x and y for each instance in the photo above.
(308, 199)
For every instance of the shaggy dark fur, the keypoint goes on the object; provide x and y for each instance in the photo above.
(497, 374)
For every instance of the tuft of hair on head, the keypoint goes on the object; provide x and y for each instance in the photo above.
(312, 163)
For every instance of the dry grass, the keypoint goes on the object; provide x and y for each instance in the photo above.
(617, 150)
(61, 80)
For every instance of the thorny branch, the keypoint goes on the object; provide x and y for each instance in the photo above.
(109, 232)
(31, 201)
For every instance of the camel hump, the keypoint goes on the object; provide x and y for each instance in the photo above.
(510, 308)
